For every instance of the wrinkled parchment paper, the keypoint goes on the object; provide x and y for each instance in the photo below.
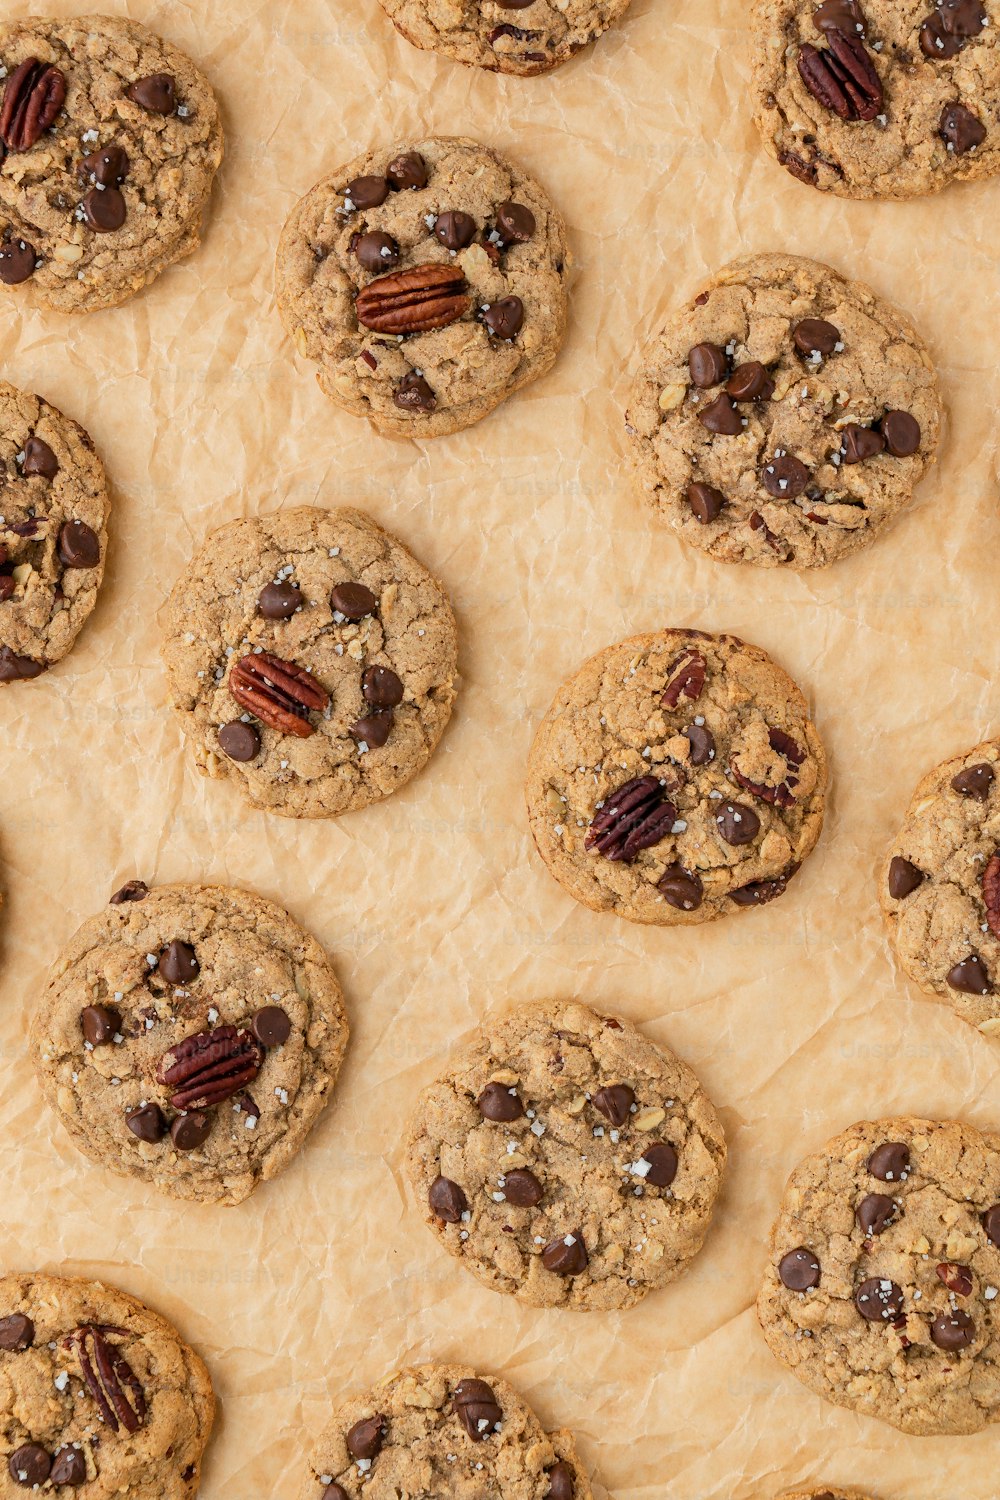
(433, 904)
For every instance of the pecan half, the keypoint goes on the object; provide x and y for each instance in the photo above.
(209, 1067)
(108, 1376)
(414, 300)
(957, 1279)
(842, 77)
(782, 795)
(34, 95)
(991, 894)
(279, 693)
(636, 817)
(685, 679)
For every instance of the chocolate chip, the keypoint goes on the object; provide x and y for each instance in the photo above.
(477, 1408)
(408, 170)
(935, 42)
(970, 977)
(271, 1026)
(239, 740)
(750, 382)
(335, 1492)
(785, 477)
(447, 1200)
(991, 1223)
(147, 1123)
(178, 964)
(365, 1438)
(109, 166)
(962, 130)
(79, 546)
(515, 223)
(904, 877)
(29, 1466)
(705, 501)
(279, 601)
(890, 1162)
(157, 93)
(367, 192)
(376, 251)
(722, 416)
(662, 1161)
(522, 1188)
(615, 1102)
(104, 209)
(879, 1300)
(14, 668)
(100, 1024)
(737, 823)
(504, 318)
(875, 1213)
(952, 1331)
(188, 1132)
(39, 459)
(839, 15)
(499, 1103)
(859, 443)
(708, 365)
(414, 394)
(681, 888)
(799, 1270)
(901, 432)
(17, 261)
(760, 892)
(815, 336)
(352, 600)
(562, 1483)
(962, 18)
(17, 1333)
(702, 742)
(381, 687)
(455, 230)
(373, 730)
(567, 1255)
(68, 1467)
(974, 781)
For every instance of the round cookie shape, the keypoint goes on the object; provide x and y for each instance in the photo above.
(428, 282)
(784, 415)
(566, 1159)
(825, 1494)
(112, 138)
(880, 1292)
(312, 659)
(98, 1394)
(54, 509)
(921, 107)
(507, 36)
(676, 777)
(939, 886)
(190, 1036)
(446, 1431)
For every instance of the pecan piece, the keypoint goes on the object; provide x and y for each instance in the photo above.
(108, 1376)
(782, 795)
(209, 1067)
(685, 679)
(842, 77)
(34, 95)
(957, 1279)
(279, 693)
(991, 894)
(414, 300)
(636, 817)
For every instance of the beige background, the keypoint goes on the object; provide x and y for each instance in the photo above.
(433, 904)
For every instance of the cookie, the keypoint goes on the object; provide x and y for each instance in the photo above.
(837, 1494)
(506, 36)
(428, 282)
(676, 777)
(97, 1394)
(566, 1159)
(53, 533)
(878, 98)
(881, 1292)
(784, 416)
(443, 1430)
(939, 886)
(112, 138)
(190, 1036)
(311, 659)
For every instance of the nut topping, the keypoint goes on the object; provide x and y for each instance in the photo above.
(991, 894)
(279, 693)
(686, 678)
(34, 95)
(109, 1377)
(414, 300)
(212, 1066)
(635, 818)
(842, 76)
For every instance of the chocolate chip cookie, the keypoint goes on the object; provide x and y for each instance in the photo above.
(190, 1036)
(506, 36)
(109, 141)
(676, 777)
(878, 98)
(312, 660)
(53, 533)
(881, 1292)
(443, 1430)
(837, 1494)
(428, 281)
(97, 1394)
(939, 886)
(783, 416)
(566, 1159)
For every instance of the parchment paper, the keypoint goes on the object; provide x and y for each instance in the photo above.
(433, 903)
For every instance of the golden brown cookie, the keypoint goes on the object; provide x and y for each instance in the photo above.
(506, 36)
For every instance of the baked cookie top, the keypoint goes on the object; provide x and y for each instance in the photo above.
(566, 1159)
(939, 886)
(428, 281)
(97, 1394)
(677, 776)
(881, 1291)
(507, 36)
(878, 98)
(190, 1036)
(445, 1431)
(783, 416)
(109, 140)
(311, 659)
(836, 1494)
(53, 533)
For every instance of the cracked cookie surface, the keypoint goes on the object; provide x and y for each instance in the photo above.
(445, 1431)
(939, 886)
(566, 1159)
(676, 777)
(520, 36)
(436, 364)
(835, 415)
(934, 95)
(98, 1394)
(190, 1036)
(329, 594)
(882, 1285)
(824, 1494)
(95, 205)
(54, 509)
